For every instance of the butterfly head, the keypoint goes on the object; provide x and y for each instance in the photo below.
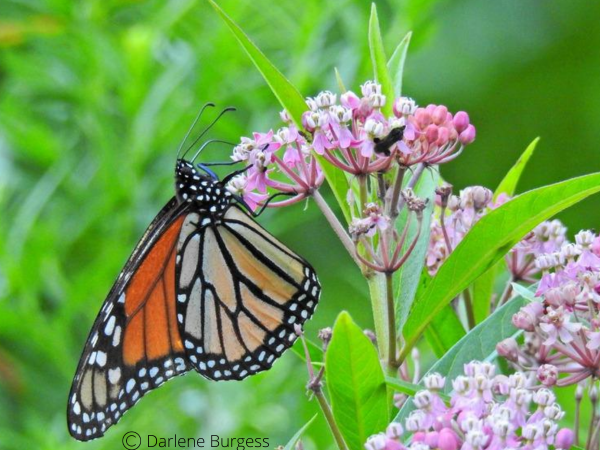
(202, 189)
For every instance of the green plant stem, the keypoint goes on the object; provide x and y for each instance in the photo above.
(330, 420)
(469, 308)
(577, 418)
(591, 428)
(337, 227)
(378, 294)
(506, 293)
(391, 323)
(594, 436)
(364, 196)
(394, 211)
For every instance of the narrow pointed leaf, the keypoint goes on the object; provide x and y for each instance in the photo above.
(396, 64)
(340, 82)
(444, 331)
(356, 383)
(338, 182)
(290, 98)
(287, 94)
(488, 241)
(379, 60)
(408, 388)
(483, 287)
(524, 292)
(508, 185)
(407, 279)
(482, 292)
(290, 445)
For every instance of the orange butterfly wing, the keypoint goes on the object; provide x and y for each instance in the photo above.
(134, 345)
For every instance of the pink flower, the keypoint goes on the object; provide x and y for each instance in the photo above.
(350, 100)
(556, 324)
(593, 340)
(321, 142)
(239, 186)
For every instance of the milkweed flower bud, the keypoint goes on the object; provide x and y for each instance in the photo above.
(509, 349)
(547, 374)
(461, 121)
(447, 439)
(564, 439)
(467, 136)
(350, 100)
(325, 335)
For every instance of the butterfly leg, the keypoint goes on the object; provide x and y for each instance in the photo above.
(265, 204)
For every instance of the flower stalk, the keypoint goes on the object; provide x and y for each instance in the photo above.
(315, 385)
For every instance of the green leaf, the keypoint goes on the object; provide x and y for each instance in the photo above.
(287, 94)
(407, 279)
(483, 290)
(379, 60)
(483, 287)
(408, 388)
(524, 292)
(338, 182)
(488, 241)
(396, 64)
(340, 82)
(479, 344)
(403, 386)
(509, 184)
(356, 383)
(290, 445)
(291, 99)
(444, 331)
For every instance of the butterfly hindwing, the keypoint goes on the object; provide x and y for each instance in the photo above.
(134, 345)
(238, 304)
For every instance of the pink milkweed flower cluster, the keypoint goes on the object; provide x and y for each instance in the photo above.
(457, 214)
(356, 136)
(352, 133)
(486, 412)
(281, 161)
(562, 330)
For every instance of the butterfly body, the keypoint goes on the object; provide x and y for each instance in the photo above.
(206, 288)
(205, 191)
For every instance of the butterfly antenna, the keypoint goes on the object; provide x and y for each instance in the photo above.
(187, 135)
(211, 141)
(207, 129)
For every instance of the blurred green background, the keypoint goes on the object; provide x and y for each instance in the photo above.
(96, 95)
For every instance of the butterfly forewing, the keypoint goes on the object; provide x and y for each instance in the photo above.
(238, 305)
(134, 345)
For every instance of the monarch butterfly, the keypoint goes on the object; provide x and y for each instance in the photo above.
(206, 288)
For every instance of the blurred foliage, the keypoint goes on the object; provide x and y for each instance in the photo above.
(95, 96)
